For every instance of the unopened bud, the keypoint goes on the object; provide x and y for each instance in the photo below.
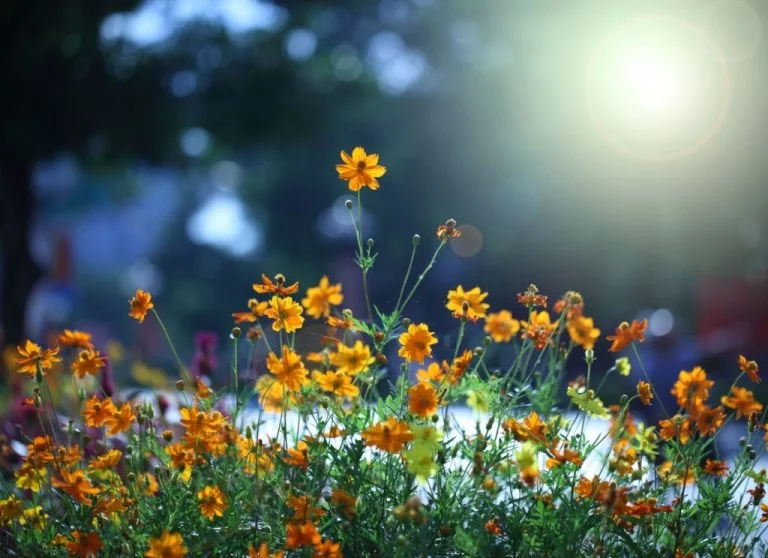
(235, 333)
(180, 385)
(370, 243)
(416, 239)
(348, 203)
(406, 322)
(167, 435)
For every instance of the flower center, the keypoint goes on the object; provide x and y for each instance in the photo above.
(361, 165)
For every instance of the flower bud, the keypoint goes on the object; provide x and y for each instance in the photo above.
(167, 435)
(623, 399)
(416, 239)
(180, 385)
(235, 333)
(348, 204)
(406, 322)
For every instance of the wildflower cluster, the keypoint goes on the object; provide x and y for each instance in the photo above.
(353, 444)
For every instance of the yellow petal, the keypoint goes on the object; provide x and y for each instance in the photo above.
(358, 154)
(372, 160)
(376, 171)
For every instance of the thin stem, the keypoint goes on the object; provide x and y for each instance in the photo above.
(183, 368)
(234, 380)
(421, 276)
(648, 379)
(407, 275)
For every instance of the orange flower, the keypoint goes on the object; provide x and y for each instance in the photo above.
(299, 535)
(360, 169)
(327, 549)
(167, 545)
(708, 421)
(416, 343)
(390, 435)
(433, 373)
(88, 361)
(320, 299)
(31, 356)
(531, 297)
(285, 313)
(352, 360)
(422, 399)
(75, 338)
(141, 303)
(336, 383)
(644, 392)
(277, 288)
(493, 528)
(97, 412)
(271, 393)
(345, 502)
(459, 365)
(538, 329)
(303, 508)
(448, 231)
(255, 311)
(289, 369)
(263, 552)
(467, 304)
(298, 457)
(716, 468)
(692, 388)
(203, 391)
(626, 334)
(107, 461)
(742, 401)
(343, 323)
(676, 427)
(76, 485)
(750, 368)
(583, 331)
(120, 420)
(212, 502)
(84, 545)
(501, 326)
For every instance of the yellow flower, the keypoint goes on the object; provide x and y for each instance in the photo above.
(420, 463)
(583, 331)
(433, 373)
(623, 366)
(390, 435)
(588, 402)
(319, 299)
(336, 383)
(360, 169)
(271, 393)
(34, 517)
(289, 369)
(107, 461)
(167, 545)
(478, 401)
(467, 304)
(526, 456)
(285, 313)
(30, 478)
(416, 343)
(352, 360)
(427, 438)
(88, 361)
(31, 355)
(212, 502)
(501, 326)
(742, 401)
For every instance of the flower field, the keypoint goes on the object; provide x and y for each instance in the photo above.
(365, 448)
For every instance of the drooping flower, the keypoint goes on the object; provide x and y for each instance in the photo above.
(750, 368)
(626, 334)
(75, 338)
(31, 355)
(583, 332)
(501, 326)
(88, 361)
(167, 545)
(289, 369)
(336, 383)
(141, 303)
(285, 314)
(416, 343)
(692, 388)
(742, 401)
(321, 298)
(213, 502)
(390, 435)
(644, 392)
(360, 169)
(467, 304)
(422, 399)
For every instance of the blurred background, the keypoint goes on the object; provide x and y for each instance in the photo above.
(187, 146)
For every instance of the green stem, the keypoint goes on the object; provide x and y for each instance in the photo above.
(407, 275)
(182, 368)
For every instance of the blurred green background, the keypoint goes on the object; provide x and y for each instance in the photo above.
(188, 146)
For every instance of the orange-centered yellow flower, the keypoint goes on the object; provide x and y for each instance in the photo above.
(583, 331)
(141, 303)
(467, 304)
(692, 388)
(88, 361)
(31, 355)
(120, 420)
(289, 369)
(75, 338)
(360, 169)
(422, 399)
(501, 326)
(336, 383)
(167, 545)
(320, 299)
(416, 343)
(285, 313)
(212, 502)
(352, 360)
(390, 435)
